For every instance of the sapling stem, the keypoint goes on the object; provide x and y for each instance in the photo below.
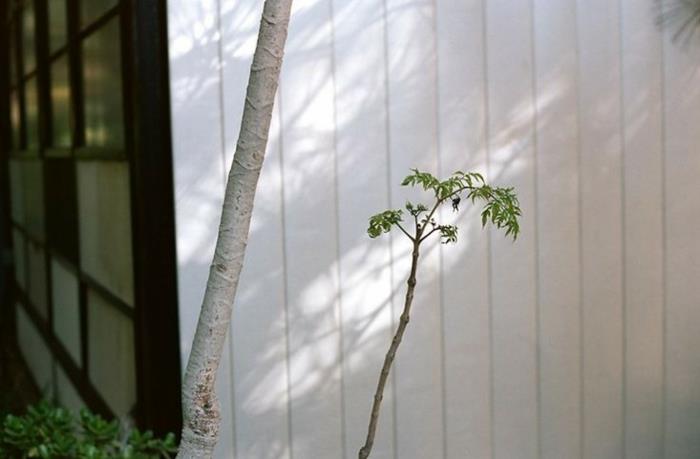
(391, 354)
(501, 208)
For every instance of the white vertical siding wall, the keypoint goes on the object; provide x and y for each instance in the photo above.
(600, 133)
(578, 341)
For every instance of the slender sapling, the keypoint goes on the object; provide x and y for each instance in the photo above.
(500, 207)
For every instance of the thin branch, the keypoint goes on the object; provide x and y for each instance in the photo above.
(437, 228)
(430, 215)
(405, 232)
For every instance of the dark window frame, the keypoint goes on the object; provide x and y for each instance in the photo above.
(147, 149)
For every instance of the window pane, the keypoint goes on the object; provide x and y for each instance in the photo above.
(19, 253)
(35, 352)
(93, 9)
(31, 99)
(15, 119)
(28, 35)
(105, 225)
(60, 102)
(66, 308)
(17, 191)
(33, 182)
(111, 354)
(57, 24)
(103, 89)
(11, 53)
(37, 278)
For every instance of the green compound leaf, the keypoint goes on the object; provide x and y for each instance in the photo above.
(500, 205)
(382, 222)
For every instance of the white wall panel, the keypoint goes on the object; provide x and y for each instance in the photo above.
(575, 341)
(513, 266)
(311, 244)
(464, 284)
(412, 111)
(682, 225)
(558, 234)
(601, 231)
(362, 186)
(643, 224)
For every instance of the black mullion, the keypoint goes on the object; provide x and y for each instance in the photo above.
(99, 22)
(116, 302)
(7, 306)
(41, 41)
(42, 73)
(60, 51)
(29, 75)
(75, 74)
(147, 118)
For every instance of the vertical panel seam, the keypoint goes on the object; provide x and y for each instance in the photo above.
(535, 174)
(339, 300)
(579, 147)
(489, 277)
(220, 69)
(623, 226)
(387, 126)
(285, 266)
(664, 229)
(441, 286)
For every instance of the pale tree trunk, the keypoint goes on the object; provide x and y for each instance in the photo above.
(200, 406)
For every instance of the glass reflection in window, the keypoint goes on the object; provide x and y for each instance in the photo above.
(31, 100)
(103, 88)
(60, 102)
(57, 24)
(28, 37)
(15, 120)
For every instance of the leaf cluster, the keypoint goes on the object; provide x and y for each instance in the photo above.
(47, 431)
(382, 222)
(500, 206)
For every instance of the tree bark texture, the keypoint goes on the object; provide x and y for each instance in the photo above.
(391, 354)
(201, 414)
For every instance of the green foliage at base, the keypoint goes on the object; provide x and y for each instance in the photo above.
(47, 431)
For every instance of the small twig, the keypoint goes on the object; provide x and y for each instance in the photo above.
(437, 228)
(405, 232)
